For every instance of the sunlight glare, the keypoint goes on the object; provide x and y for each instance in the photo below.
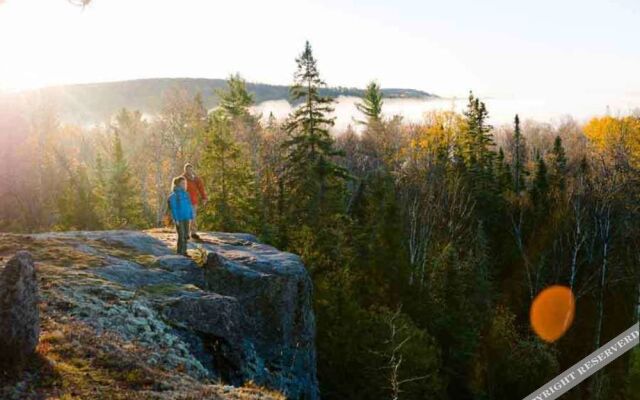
(552, 312)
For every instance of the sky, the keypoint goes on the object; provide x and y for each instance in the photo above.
(503, 48)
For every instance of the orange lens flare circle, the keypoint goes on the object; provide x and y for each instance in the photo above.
(552, 312)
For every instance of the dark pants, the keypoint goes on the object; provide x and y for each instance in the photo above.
(182, 227)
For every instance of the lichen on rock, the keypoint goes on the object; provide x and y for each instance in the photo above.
(239, 315)
(19, 314)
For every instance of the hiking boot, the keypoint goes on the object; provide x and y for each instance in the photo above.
(195, 236)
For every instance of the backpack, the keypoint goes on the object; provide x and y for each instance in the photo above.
(167, 220)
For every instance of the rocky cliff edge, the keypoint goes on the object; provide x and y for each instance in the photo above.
(122, 315)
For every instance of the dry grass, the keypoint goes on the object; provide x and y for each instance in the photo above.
(73, 361)
(61, 252)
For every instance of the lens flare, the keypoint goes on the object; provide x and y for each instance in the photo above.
(552, 312)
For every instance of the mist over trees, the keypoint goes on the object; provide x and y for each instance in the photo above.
(426, 241)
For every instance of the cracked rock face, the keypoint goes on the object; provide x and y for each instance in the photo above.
(280, 322)
(19, 315)
(244, 313)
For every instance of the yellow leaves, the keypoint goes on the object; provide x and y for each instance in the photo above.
(611, 134)
(436, 133)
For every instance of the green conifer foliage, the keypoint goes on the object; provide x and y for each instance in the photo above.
(236, 100)
(559, 165)
(228, 178)
(371, 105)
(311, 171)
(122, 198)
(519, 153)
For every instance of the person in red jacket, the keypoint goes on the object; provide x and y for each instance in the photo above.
(197, 194)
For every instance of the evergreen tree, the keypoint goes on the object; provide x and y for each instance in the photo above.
(477, 140)
(502, 171)
(311, 168)
(540, 184)
(236, 100)
(377, 240)
(133, 131)
(633, 376)
(234, 105)
(371, 105)
(559, 165)
(244, 148)
(122, 199)
(76, 204)
(512, 364)
(100, 188)
(459, 293)
(273, 213)
(519, 153)
(478, 158)
(230, 179)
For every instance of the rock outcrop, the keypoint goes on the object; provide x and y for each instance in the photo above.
(19, 315)
(238, 311)
(276, 295)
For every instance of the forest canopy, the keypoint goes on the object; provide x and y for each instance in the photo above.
(427, 242)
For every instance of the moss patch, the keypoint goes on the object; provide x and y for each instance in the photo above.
(64, 252)
(75, 362)
(167, 289)
(146, 260)
(60, 252)
(68, 365)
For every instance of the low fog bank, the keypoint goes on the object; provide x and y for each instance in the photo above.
(501, 110)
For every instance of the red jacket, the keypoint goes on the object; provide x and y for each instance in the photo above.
(195, 187)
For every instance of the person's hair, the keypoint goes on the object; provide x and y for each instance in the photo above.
(187, 165)
(176, 181)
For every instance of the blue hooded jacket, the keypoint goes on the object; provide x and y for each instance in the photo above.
(180, 205)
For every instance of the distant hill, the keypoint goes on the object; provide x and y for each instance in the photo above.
(94, 102)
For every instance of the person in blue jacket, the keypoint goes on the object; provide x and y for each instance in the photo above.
(181, 211)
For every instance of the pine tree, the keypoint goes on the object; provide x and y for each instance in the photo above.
(235, 100)
(272, 183)
(371, 105)
(76, 203)
(477, 141)
(244, 146)
(86, 216)
(540, 184)
(234, 105)
(502, 172)
(519, 152)
(100, 188)
(310, 145)
(230, 180)
(559, 165)
(123, 201)
(478, 158)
